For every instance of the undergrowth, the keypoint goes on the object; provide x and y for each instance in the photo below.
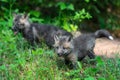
(18, 61)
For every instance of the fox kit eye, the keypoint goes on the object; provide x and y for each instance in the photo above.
(15, 19)
(21, 24)
(64, 47)
(57, 47)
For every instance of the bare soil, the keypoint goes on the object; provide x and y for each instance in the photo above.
(108, 48)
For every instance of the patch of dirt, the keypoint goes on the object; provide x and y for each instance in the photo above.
(108, 48)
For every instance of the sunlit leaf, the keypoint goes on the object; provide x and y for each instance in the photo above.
(70, 7)
(89, 78)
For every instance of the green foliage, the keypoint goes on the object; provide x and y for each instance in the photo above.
(89, 78)
(64, 6)
(66, 12)
(19, 61)
(82, 14)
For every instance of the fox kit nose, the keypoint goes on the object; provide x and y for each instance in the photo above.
(14, 28)
(59, 54)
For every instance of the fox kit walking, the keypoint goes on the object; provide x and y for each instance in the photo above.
(73, 50)
(35, 32)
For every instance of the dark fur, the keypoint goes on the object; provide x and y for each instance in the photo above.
(35, 32)
(76, 49)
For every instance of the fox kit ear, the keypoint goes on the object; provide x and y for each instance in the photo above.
(68, 38)
(25, 16)
(56, 38)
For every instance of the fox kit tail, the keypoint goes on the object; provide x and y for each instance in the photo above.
(103, 33)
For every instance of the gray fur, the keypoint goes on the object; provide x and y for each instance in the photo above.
(78, 47)
(34, 32)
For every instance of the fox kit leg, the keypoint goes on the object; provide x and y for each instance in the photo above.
(75, 64)
(81, 58)
(31, 41)
(91, 54)
(72, 59)
(72, 64)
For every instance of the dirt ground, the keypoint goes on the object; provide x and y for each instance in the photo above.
(108, 48)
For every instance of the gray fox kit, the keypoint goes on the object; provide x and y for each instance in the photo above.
(35, 32)
(73, 50)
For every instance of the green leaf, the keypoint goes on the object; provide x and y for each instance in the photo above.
(62, 5)
(101, 78)
(37, 20)
(5, 0)
(38, 51)
(3, 67)
(100, 62)
(89, 78)
(70, 7)
(82, 14)
(87, 1)
(35, 13)
(73, 27)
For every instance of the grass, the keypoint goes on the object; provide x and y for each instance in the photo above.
(19, 62)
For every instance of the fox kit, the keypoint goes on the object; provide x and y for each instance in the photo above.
(73, 50)
(35, 32)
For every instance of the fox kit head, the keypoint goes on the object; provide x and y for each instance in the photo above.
(20, 22)
(62, 45)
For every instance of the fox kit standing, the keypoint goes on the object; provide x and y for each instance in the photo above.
(73, 50)
(35, 32)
